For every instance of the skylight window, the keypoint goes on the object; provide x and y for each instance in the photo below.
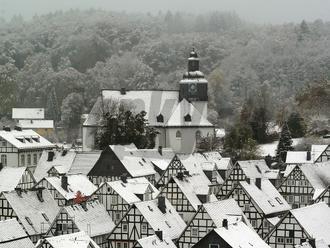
(29, 221)
(150, 208)
(141, 163)
(166, 222)
(258, 169)
(279, 200)
(45, 216)
(270, 202)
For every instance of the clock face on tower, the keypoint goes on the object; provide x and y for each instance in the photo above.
(192, 89)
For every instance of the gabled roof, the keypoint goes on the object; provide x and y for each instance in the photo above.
(267, 199)
(93, 220)
(84, 162)
(30, 210)
(25, 139)
(10, 177)
(258, 169)
(160, 160)
(221, 162)
(315, 220)
(183, 109)
(239, 235)
(12, 235)
(73, 240)
(317, 150)
(33, 124)
(170, 222)
(64, 159)
(75, 183)
(128, 191)
(154, 242)
(28, 113)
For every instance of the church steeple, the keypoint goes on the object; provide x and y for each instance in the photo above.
(193, 61)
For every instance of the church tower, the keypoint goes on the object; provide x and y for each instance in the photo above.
(193, 86)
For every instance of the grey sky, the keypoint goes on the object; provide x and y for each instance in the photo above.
(261, 11)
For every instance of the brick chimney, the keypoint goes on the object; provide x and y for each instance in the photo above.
(161, 204)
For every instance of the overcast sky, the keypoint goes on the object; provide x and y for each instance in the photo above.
(261, 11)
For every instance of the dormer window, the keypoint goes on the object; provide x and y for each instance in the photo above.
(187, 118)
(36, 138)
(160, 118)
(29, 139)
(21, 139)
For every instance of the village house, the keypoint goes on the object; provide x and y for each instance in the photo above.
(22, 148)
(144, 219)
(73, 240)
(84, 162)
(155, 241)
(317, 154)
(66, 188)
(35, 210)
(305, 183)
(180, 116)
(324, 196)
(209, 216)
(12, 178)
(118, 196)
(13, 235)
(90, 217)
(232, 236)
(299, 225)
(261, 203)
(223, 164)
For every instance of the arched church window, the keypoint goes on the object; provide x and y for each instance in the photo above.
(187, 117)
(160, 118)
(198, 135)
(178, 135)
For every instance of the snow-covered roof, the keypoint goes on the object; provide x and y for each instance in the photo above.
(258, 169)
(28, 113)
(267, 198)
(225, 209)
(93, 220)
(160, 160)
(154, 242)
(170, 222)
(75, 183)
(84, 162)
(221, 162)
(10, 177)
(317, 150)
(133, 160)
(128, 191)
(31, 211)
(12, 235)
(297, 157)
(183, 109)
(25, 139)
(33, 124)
(239, 235)
(320, 243)
(61, 158)
(73, 240)
(315, 220)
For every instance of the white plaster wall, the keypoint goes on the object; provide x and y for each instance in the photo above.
(88, 138)
(201, 106)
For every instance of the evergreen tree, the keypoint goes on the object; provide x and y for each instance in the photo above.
(296, 125)
(284, 144)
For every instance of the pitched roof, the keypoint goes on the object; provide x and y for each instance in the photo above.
(297, 157)
(73, 240)
(28, 113)
(32, 124)
(25, 139)
(183, 109)
(170, 222)
(10, 177)
(84, 162)
(317, 225)
(239, 235)
(154, 242)
(163, 160)
(221, 162)
(267, 199)
(128, 191)
(93, 220)
(258, 169)
(12, 235)
(317, 150)
(31, 211)
(75, 183)
(64, 159)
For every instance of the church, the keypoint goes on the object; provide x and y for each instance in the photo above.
(180, 116)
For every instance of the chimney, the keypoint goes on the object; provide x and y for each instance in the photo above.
(51, 155)
(180, 175)
(309, 156)
(159, 234)
(258, 183)
(248, 180)
(64, 182)
(123, 178)
(161, 204)
(64, 152)
(7, 129)
(84, 205)
(312, 243)
(225, 223)
(39, 194)
(123, 91)
(18, 191)
(186, 173)
(18, 128)
(160, 150)
(1, 166)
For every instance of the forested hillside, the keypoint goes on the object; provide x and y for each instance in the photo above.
(60, 61)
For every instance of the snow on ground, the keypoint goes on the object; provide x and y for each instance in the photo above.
(270, 148)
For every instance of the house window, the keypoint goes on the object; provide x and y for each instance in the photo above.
(4, 159)
(4, 143)
(291, 199)
(125, 227)
(28, 158)
(289, 240)
(198, 135)
(117, 216)
(160, 118)
(266, 224)
(303, 199)
(280, 240)
(35, 159)
(214, 246)
(62, 227)
(144, 228)
(114, 200)
(194, 232)
(118, 245)
(254, 223)
(22, 160)
(125, 245)
(178, 135)
(247, 207)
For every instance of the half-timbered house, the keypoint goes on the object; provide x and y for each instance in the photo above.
(90, 217)
(305, 183)
(84, 162)
(317, 154)
(11, 178)
(118, 196)
(35, 210)
(209, 216)
(155, 241)
(66, 188)
(224, 165)
(236, 235)
(143, 220)
(73, 240)
(261, 203)
(12, 235)
(324, 196)
(301, 224)
(321, 153)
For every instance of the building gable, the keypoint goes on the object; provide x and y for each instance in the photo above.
(6, 210)
(174, 167)
(324, 156)
(325, 196)
(63, 224)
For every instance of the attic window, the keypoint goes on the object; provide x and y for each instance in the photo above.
(187, 118)
(20, 139)
(144, 160)
(45, 216)
(150, 209)
(29, 221)
(279, 200)
(160, 118)
(36, 138)
(29, 139)
(270, 202)
(140, 163)
(166, 222)
(258, 169)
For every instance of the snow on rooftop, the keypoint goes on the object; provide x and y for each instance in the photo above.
(298, 157)
(84, 162)
(163, 160)
(170, 222)
(317, 150)
(34, 124)
(10, 177)
(73, 240)
(270, 148)
(258, 169)
(75, 183)
(93, 220)
(28, 113)
(154, 242)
